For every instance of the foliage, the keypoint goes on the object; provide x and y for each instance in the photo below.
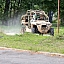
(15, 6)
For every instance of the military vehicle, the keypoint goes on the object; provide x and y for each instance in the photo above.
(37, 21)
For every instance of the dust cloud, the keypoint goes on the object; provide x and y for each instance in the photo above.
(11, 26)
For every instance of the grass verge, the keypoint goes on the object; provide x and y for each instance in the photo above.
(29, 41)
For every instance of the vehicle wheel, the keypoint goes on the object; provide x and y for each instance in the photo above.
(33, 30)
(52, 31)
(36, 30)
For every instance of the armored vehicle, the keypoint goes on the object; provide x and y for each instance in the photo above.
(37, 21)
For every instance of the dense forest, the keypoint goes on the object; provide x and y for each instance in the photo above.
(11, 8)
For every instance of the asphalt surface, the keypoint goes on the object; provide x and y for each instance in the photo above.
(24, 57)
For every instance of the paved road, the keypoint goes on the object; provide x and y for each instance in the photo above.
(15, 57)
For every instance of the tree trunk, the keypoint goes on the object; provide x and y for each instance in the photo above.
(7, 6)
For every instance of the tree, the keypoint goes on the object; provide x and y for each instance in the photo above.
(62, 11)
(18, 5)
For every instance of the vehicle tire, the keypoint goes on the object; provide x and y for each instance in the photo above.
(52, 31)
(36, 30)
(33, 30)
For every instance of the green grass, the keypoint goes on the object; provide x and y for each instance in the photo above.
(29, 41)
